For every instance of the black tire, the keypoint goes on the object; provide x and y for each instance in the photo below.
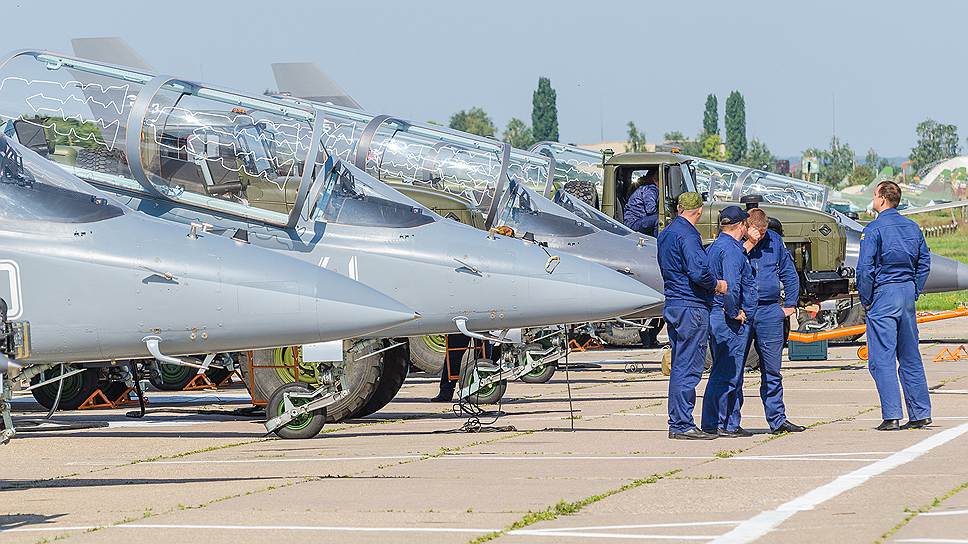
(427, 353)
(360, 378)
(218, 374)
(491, 394)
(850, 316)
(396, 367)
(101, 160)
(307, 426)
(620, 335)
(542, 374)
(171, 377)
(77, 388)
(113, 390)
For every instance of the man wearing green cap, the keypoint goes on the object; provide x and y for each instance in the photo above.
(689, 289)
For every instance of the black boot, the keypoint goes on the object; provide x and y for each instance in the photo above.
(917, 423)
(889, 425)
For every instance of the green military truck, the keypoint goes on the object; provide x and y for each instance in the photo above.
(816, 240)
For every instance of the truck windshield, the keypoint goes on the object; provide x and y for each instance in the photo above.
(525, 211)
(591, 215)
(35, 189)
(352, 197)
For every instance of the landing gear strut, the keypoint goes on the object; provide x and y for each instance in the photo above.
(485, 382)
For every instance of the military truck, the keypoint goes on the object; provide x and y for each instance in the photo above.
(816, 240)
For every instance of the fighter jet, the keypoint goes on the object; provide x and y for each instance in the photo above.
(84, 280)
(256, 169)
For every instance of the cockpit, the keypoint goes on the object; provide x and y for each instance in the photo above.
(589, 214)
(349, 196)
(525, 211)
(34, 189)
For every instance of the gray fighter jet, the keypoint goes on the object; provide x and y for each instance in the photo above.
(85, 280)
(256, 169)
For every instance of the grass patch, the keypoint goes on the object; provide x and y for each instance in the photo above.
(911, 514)
(953, 246)
(564, 508)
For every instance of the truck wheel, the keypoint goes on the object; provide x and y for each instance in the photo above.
(76, 389)
(427, 352)
(306, 426)
(620, 335)
(542, 374)
(396, 367)
(169, 377)
(848, 317)
(490, 394)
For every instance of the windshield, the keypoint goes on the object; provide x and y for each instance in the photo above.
(524, 211)
(587, 213)
(350, 196)
(34, 189)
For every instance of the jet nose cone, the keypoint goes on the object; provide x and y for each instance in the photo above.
(946, 275)
(347, 308)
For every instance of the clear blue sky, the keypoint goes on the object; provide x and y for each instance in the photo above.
(889, 64)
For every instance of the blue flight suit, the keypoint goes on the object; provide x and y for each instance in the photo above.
(772, 268)
(892, 268)
(689, 288)
(728, 336)
(642, 211)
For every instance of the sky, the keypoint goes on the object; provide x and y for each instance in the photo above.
(869, 70)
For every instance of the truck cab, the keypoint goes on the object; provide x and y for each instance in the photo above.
(816, 241)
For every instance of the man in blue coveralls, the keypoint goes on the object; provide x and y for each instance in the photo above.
(642, 211)
(689, 288)
(891, 271)
(773, 270)
(728, 329)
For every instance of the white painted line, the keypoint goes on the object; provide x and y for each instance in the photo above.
(307, 528)
(935, 540)
(643, 526)
(261, 461)
(946, 513)
(526, 532)
(760, 525)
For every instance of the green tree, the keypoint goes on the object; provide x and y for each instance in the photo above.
(710, 117)
(758, 156)
(636, 140)
(674, 136)
(544, 112)
(711, 147)
(735, 122)
(474, 121)
(874, 162)
(936, 142)
(861, 175)
(518, 134)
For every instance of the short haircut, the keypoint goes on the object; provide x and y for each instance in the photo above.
(890, 191)
(759, 219)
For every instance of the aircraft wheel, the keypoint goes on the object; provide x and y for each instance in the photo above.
(76, 390)
(427, 352)
(170, 377)
(396, 367)
(490, 394)
(542, 374)
(305, 426)
(217, 375)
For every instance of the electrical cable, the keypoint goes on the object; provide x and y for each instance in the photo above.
(60, 389)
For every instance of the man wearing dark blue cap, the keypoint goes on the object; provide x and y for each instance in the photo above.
(689, 287)
(892, 269)
(728, 330)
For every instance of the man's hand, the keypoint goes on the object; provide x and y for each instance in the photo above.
(741, 316)
(721, 287)
(754, 234)
(788, 311)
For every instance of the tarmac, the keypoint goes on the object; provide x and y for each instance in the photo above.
(191, 470)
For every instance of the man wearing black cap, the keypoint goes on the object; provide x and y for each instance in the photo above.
(728, 331)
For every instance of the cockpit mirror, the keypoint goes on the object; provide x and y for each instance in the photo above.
(33, 137)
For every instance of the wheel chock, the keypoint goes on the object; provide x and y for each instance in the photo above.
(97, 399)
(948, 354)
(200, 381)
(862, 352)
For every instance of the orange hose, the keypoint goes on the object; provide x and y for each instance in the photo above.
(808, 337)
